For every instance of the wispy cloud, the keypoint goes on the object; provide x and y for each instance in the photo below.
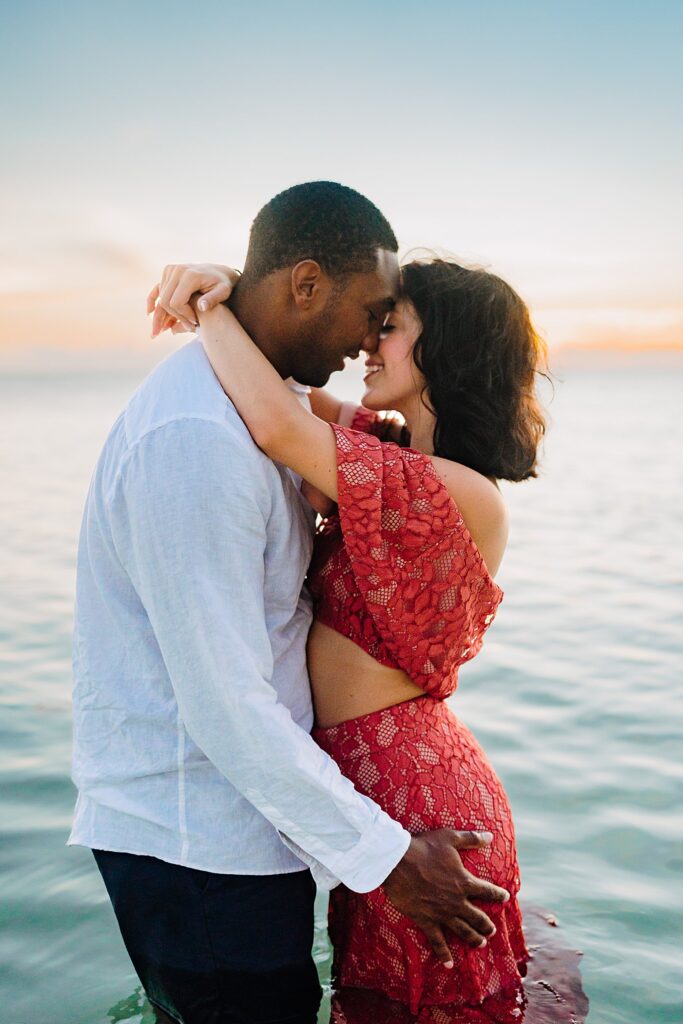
(140, 135)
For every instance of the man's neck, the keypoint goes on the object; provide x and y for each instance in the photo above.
(253, 308)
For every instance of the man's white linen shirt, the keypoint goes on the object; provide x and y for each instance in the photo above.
(192, 706)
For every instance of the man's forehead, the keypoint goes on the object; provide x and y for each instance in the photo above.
(388, 267)
(385, 282)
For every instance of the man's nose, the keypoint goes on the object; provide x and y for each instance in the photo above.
(370, 342)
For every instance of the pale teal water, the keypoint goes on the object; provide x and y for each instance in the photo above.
(577, 696)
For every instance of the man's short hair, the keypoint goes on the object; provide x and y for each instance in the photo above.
(323, 221)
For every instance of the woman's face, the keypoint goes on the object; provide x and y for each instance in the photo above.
(393, 380)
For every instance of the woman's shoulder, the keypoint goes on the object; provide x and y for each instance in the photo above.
(481, 505)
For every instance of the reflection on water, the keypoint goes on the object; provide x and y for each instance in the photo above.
(574, 698)
(135, 1009)
(552, 991)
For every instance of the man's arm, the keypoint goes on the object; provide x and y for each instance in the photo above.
(192, 535)
(191, 514)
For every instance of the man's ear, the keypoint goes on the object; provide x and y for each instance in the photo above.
(309, 284)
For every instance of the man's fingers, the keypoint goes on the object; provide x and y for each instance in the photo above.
(467, 934)
(437, 941)
(219, 293)
(478, 920)
(152, 298)
(471, 840)
(487, 891)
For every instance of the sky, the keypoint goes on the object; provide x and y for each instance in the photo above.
(540, 139)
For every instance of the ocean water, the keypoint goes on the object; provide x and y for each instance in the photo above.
(577, 695)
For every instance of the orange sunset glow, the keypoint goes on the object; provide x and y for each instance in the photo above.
(566, 183)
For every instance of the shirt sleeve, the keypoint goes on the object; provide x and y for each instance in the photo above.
(190, 514)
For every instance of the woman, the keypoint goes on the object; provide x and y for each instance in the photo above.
(402, 578)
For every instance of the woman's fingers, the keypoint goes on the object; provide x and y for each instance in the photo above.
(161, 320)
(164, 321)
(179, 303)
(437, 941)
(176, 291)
(152, 299)
(158, 302)
(219, 293)
(169, 286)
(179, 282)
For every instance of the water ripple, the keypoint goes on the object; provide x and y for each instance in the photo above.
(576, 698)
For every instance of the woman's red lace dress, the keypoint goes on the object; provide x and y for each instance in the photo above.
(398, 573)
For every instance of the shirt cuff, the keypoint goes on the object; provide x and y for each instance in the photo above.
(367, 865)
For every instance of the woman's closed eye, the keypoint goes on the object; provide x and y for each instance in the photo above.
(386, 329)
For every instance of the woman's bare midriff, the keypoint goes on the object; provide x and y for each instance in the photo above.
(347, 682)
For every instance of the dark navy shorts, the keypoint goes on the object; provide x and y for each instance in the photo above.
(216, 949)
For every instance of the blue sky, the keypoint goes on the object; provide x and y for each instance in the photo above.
(542, 139)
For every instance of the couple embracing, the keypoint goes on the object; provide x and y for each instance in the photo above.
(260, 704)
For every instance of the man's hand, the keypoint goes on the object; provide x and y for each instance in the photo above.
(170, 299)
(432, 887)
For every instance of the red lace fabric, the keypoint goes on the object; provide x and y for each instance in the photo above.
(398, 572)
(426, 770)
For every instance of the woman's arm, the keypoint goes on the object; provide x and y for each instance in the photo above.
(278, 423)
(325, 406)
(332, 410)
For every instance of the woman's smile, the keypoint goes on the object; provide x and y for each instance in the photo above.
(370, 370)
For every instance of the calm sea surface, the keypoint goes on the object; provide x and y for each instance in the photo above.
(577, 696)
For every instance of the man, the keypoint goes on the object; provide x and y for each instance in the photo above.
(200, 790)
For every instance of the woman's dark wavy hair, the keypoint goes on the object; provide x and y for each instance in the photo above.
(479, 354)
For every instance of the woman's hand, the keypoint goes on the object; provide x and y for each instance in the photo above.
(171, 300)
